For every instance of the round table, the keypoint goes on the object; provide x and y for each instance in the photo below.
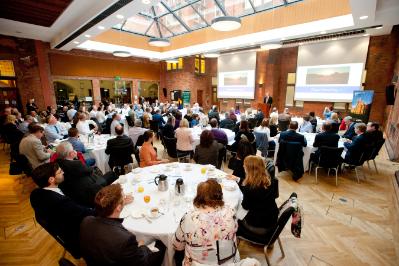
(97, 150)
(173, 207)
(196, 132)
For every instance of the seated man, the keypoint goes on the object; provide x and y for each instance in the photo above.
(157, 117)
(373, 133)
(116, 118)
(104, 240)
(227, 122)
(50, 204)
(136, 131)
(119, 149)
(78, 146)
(25, 124)
(283, 120)
(81, 182)
(357, 146)
(52, 130)
(350, 128)
(325, 138)
(213, 113)
(219, 135)
(306, 126)
(32, 147)
(292, 136)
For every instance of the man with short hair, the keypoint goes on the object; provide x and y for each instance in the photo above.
(52, 131)
(73, 138)
(32, 147)
(350, 125)
(227, 122)
(71, 112)
(373, 133)
(219, 135)
(292, 136)
(157, 117)
(105, 241)
(136, 131)
(50, 204)
(213, 113)
(23, 127)
(284, 120)
(119, 149)
(326, 138)
(306, 126)
(115, 122)
(358, 145)
(81, 181)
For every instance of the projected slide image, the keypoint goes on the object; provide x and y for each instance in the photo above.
(236, 79)
(328, 75)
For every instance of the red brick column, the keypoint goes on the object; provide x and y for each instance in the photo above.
(96, 91)
(47, 88)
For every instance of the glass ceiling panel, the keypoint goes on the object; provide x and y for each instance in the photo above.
(153, 31)
(171, 22)
(191, 18)
(165, 32)
(237, 8)
(159, 10)
(266, 4)
(137, 24)
(174, 4)
(208, 9)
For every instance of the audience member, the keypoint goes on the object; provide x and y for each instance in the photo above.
(373, 133)
(313, 121)
(59, 212)
(23, 127)
(195, 121)
(83, 125)
(327, 112)
(12, 134)
(273, 124)
(32, 147)
(326, 138)
(136, 131)
(169, 129)
(81, 182)
(292, 136)
(105, 241)
(210, 227)
(227, 122)
(120, 149)
(284, 120)
(334, 122)
(74, 139)
(31, 106)
(184, 137)
(116, 118)
(244, 149)
(71, 112)
(264, 128)
(218, 134)
(157, 117)
(93, 112)
(358, 145)
(350, 128)
(243, 133)
(148, 155)
(306, 126)
(213, 113)
(207, 152)
(100, 115)
(53, 131)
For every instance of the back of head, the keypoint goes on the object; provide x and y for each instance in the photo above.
(73, 132)
(334, 116)
(265, 123)
(244, 125)
(209, 194)
(184, 123)
(108, 199)
(213, 123)
(137, 123)
(119, 130)
(255, 172)
(361, 127)
(312, 114)
(293, 125)
(327, 126)
(375, 125)
(63, 149)
(148, 134)
(42, 173)
(244, 149)
(306, 118)
(34, 128)
(348, 119)
(206, 138)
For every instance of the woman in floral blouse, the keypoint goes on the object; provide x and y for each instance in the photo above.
(207, 234)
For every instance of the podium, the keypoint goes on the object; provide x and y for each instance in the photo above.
(265, 108)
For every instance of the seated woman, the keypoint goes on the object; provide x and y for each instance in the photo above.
(148, 155)
(243, 133)
(259, 192)
(184, 143)
(207, 152)
(207, 234)
(244, 149)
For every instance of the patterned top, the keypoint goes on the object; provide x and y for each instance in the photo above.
(200, 230)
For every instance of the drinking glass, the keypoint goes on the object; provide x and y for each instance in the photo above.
(203, 170)
(140, 189)
(147, 198)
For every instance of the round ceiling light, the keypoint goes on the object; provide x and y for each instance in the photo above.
(121, 53)
(159, 42)
(226, 23)
(270, 46)
(172, 60)
(211, 55)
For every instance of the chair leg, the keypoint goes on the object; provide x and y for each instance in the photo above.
(336, 176)
(266, 256)
(364, 173)
(357, 176)
(316, 173)
(328, 172)
(375, 166)
(368, 164)
(281, 247)
(310, 167)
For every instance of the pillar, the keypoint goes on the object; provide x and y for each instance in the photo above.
(96, 91)
(47, 88)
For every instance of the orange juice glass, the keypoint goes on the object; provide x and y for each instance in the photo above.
(147, 198)
(203, 170)
(140, 189)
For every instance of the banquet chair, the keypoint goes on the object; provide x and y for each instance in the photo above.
(270, 235)
(262, 142)
(170, 144)
(330, 158)
(375, 150)
(356, 163)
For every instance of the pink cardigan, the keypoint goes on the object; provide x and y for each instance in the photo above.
(184, 139)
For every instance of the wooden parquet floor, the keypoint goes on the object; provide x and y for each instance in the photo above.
(352, 224)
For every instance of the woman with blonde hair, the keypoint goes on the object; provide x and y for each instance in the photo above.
(273, 124)
(259, 191)
(184, 137)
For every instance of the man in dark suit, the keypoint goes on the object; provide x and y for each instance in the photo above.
(104, 240)
(373, 133)
(60, 213)
(213, 113)
(268, 99)
(120, 149)
(284, 120)
(358, 145)
(291, 135)
(350, 125)
(326, 138)
(81, 181)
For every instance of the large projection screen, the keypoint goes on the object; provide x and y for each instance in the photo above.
(236, 76)
(330, 71)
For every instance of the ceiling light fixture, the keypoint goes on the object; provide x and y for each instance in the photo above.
(366, 34)
(378, 28)
(211, 55)
(226, 23)
(172, 60)
(146, 2)
(101, 27)
(87, 35)
(159, 42)
(323, 32)
(119, 16)
(271, 46)
(363, 17)
(121, 53)
(76, 42)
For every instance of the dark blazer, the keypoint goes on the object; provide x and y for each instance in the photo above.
(120, 150)
(104, 241)
(290, 156)
(227, 123)
(355, 149)
(168, 131)
(208, 155)
(80, 182)
(292, 136)
(273, 130)
(239, 170)
(268, 100)
(335, 126)
(261, 205)
(350, 132)
(329, 139)
(214, 114)
(374, 136)
(62, 215)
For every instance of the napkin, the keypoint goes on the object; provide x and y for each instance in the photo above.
(152, 247)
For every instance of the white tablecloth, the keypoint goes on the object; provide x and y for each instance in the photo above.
(173, 207)
(300, 122)
(306, 150)
(196, 132)
(97, 150)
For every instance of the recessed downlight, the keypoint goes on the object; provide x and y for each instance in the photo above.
(119, 16)
(76, 42)
(323, 32)
(101, 27)
(87, 35)
(378, 28)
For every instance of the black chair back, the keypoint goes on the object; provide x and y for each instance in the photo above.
(272, 171)
(376, 149)
(54, 229)
(154, 126)
(24, 164)
(314, 124)
(170, 144)
(107, 128)
(285, 212)
(140, 141)
(330, 157)
(129, 121)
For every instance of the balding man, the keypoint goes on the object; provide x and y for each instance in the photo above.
(120, 149)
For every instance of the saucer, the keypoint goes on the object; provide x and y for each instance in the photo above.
(136, 214)
(152, 215)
